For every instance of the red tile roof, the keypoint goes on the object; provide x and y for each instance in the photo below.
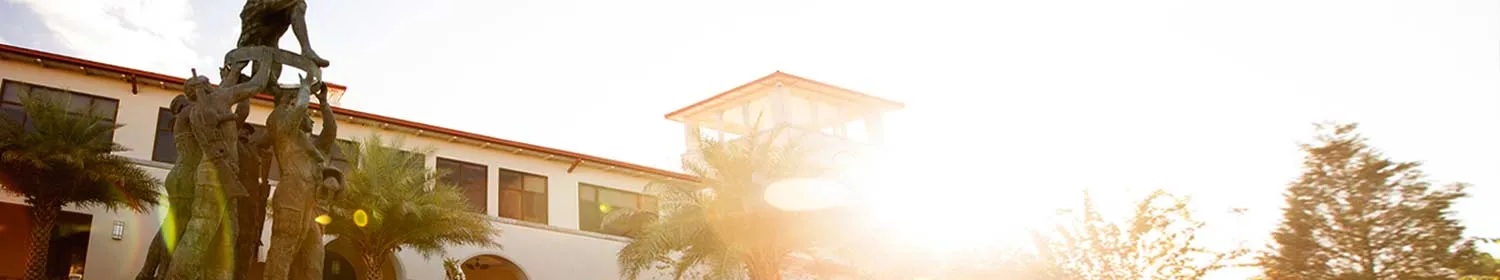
(42, 56)
(106, 66)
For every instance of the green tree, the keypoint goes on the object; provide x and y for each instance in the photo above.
(1469, 261)
(721, 227)
(1354, 214)
(54, 158)
(1157, 242)
(392, 201)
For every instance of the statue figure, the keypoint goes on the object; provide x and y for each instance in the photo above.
(263, 22)
(296, 250)
(255, 161)
(218, 188)
(179, 185)
(206, 248)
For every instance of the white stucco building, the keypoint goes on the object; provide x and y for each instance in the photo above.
(547, 199)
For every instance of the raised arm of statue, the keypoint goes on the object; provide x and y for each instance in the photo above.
(302, 99)
(240, 92)
(330, 125)
(300, 104)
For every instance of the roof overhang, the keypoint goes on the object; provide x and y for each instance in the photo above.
(746, 90)
(94, 68)
(138, 77)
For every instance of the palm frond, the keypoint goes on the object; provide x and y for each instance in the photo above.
(715, 226)
(407, 206)
(69, 158)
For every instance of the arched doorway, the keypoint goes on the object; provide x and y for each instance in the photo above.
(491, 267)
(337, 267)
(339, 263)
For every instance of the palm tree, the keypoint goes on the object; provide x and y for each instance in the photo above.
(58, 158)
(392, 201)
(721, 227)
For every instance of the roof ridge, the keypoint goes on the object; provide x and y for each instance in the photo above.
(40, 55)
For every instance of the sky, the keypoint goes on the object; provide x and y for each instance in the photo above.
(1012, 106)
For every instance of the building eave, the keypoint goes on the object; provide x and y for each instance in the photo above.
(148, 78)
(90, 67)
(499, 142)
(887, 104)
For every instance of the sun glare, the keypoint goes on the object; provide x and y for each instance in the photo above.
(944, 214)
(807, 194)
(909, 205)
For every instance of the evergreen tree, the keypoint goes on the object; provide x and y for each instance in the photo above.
(1355, 214)
(1469, 261)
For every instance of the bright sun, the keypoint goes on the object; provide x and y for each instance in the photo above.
(943, 213)
(916, 208)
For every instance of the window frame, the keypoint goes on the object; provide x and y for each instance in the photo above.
(641, 200)
(5, 85)
(525, 208)
(350, 161)
(156, 145)
(483, 206)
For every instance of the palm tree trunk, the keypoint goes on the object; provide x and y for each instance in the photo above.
(371, 262)
(43, 223)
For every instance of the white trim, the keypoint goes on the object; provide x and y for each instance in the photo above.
(152, 163)
(572, 231)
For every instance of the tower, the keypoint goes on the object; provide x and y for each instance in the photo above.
(840, 124)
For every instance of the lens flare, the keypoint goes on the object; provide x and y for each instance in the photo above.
(323, 219)
(604, 208)
(360, 218)
(806, 194)
(169, 231)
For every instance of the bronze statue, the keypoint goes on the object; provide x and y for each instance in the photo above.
(296, 250)
(218, 188)
(179, 185)
(255, 161)
(263, 22)
(206, 248)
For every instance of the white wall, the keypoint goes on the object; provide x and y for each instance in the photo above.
(555, 250)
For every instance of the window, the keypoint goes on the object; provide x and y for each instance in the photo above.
(595, 201)
(414, 157)
(523, 196)
(469, 178)
(348, 159)
(165, 149)
(12, 92)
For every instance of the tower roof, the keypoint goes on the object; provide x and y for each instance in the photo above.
(843, 96)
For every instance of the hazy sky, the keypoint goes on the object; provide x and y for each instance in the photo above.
(1016, 105)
